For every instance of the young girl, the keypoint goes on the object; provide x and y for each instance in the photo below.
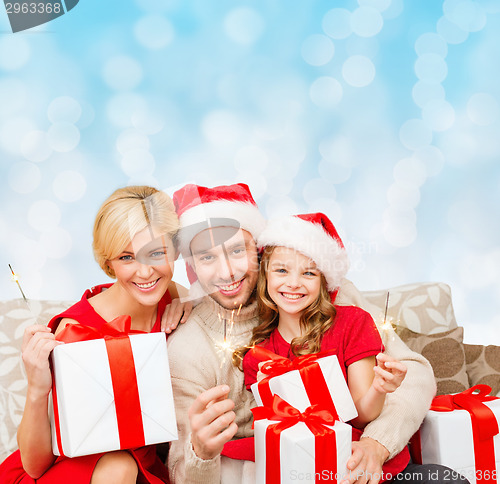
(302, 265)
(133, 235)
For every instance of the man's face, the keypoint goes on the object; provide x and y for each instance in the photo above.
(226, 263)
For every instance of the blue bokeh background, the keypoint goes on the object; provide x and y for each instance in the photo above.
(384, 114)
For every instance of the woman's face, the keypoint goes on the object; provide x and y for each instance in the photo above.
(145, 267)
(293, 281)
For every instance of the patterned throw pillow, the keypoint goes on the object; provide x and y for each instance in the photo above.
(483, 366)
(446, 355)
(14, 318)
(423, 307)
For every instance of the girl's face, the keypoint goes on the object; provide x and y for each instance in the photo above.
(293, 281)
(145, 267)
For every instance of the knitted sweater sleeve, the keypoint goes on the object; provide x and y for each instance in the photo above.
(404, 409)
(184, 466)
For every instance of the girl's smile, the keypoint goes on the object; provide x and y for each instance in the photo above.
(293, 281)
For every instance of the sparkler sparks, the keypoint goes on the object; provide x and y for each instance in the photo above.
(227, 346)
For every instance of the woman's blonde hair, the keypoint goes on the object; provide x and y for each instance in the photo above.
(125, 213)
(314, 321)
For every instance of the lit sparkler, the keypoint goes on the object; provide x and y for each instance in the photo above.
(386, 325)
(15, 278)
(227, 346)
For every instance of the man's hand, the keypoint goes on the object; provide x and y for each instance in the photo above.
(365, 463)
(212, 422)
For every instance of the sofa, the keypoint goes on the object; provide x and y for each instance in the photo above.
(421, 314)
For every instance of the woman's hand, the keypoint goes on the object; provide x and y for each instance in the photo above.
(389, 374)
(38, 342)
(176, 312)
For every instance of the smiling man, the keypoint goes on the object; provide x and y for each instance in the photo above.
(219, 228)
(226, 264)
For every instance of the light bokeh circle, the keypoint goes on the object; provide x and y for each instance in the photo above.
(251, 159)
(439, 115)
(358, 71)
(35, 146)
(15, 52)
(424, 92)
(122, 73)
(64, 109)
(69, 186)
(138, 162)
(415, 134)
(317, 50)
(56, 243)
(63, 137)
(154, 32)
(336, 23)
(44, 215)
(482, 109)
(431, 68)
(244, 25)
(131, 139)
(366, 21)
(24, 177)
(326, 92)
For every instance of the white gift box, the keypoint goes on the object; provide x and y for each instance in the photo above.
(446, 438)
(85, 399)
(297, 453)
(290, 387)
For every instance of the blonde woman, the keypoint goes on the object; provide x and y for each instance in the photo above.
(134, 234)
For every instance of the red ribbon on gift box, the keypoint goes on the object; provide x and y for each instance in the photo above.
(309, 370)
(123, 377)
(484, 427)
(315, 417)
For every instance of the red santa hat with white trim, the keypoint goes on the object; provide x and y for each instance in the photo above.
(200, 208)
(315, 236)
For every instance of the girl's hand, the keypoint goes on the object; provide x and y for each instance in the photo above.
(260, 376)
(38, 342)
(175, 313)
(389, 374)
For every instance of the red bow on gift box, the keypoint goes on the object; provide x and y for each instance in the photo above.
(484, 426)
(74, 332)
(315, 417)
(123, 376)
(310, 373)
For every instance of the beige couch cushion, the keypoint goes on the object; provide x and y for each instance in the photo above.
(14, 318)
(483, 366)
(423, 308)
(446, 355)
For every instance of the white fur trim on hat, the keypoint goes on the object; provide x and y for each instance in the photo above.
(247, 216)
(311, 240)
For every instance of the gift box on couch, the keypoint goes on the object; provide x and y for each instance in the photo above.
(111, 393)
(291, 446)
(470, 418)
(304, 381)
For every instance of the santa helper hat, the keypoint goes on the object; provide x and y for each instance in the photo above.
(200, 208)
(315, 236)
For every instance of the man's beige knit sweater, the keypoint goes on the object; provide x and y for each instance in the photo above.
(197, 363)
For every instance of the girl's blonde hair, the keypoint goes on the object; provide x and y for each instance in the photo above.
(125, 213)
(314, 321)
